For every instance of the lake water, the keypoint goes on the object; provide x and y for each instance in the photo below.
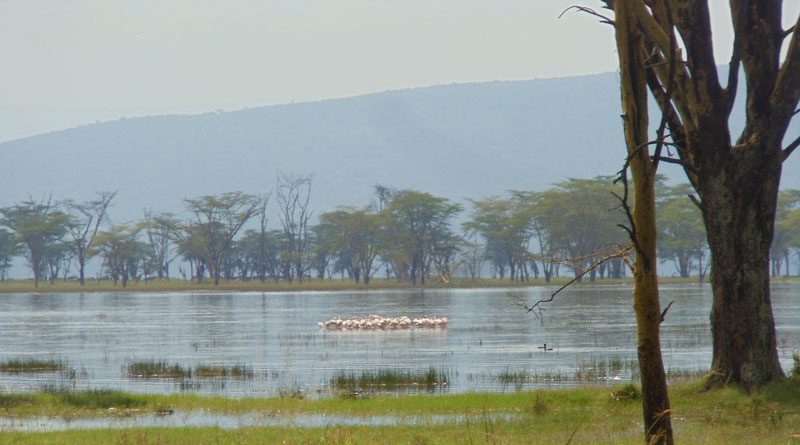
(590, 329)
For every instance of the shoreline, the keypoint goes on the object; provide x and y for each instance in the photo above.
(179, 285)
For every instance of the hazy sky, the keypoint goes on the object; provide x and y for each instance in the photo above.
(72, 62)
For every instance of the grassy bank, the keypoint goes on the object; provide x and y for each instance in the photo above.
(586, 415)
(176, 285)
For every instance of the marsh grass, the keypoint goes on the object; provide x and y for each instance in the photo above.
(238, 371)
(18, 366)
(101, 399)
(390, 379)
(157, 369)
(580, 415)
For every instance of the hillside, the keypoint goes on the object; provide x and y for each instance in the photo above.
(460, 141)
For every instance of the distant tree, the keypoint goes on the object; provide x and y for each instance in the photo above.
(37, 226)
(217, 220)
(58, 257)
(160, 229)
(505, 226)
(260, 265)
(785, 232)
(352, 236)
(84, 221)
(122, 252)
(9, 248)
(414, 223)
(681, 234)
(321, 252)
(580, 217)
(293, 194)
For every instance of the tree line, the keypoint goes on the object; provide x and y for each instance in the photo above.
(405, 235)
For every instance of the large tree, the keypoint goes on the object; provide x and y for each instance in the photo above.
(736, 179)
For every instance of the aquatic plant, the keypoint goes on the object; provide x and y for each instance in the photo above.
(31, 365)
(157, 369)
(390, 379)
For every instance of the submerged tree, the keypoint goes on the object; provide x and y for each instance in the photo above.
(737, 182)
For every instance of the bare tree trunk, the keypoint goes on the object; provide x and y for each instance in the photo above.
(642, 230)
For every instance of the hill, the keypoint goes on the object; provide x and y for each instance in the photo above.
(460, 141)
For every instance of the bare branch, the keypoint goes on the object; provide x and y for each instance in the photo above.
(696, 202)
(673, 50)
(664, 312)
(790, 148)
(622, 252)
(590, 11)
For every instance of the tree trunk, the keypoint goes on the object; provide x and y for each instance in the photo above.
(642, 230)
(739, 216)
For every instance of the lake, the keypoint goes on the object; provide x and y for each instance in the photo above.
(491, 343)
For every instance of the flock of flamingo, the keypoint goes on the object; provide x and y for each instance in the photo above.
(380, 322)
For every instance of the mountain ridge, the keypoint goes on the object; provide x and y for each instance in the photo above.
(468, 140)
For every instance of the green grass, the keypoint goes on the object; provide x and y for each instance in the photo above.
(587, 415)
(17, 366)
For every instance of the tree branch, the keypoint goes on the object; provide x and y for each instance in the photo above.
(786, 94)
(590, 11)
(621, 253)
(790, 148)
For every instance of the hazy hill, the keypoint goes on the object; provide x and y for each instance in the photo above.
(459, 141)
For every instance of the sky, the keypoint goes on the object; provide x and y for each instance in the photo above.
(73, 62)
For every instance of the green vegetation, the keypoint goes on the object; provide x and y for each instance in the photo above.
(149, 369)
(389, 379)
(155, 369)
(235, 371)
(31, 365)
(404, 238)
(591, 415)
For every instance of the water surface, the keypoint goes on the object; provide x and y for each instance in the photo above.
(276, 334)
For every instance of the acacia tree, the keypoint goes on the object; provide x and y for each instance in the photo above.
(737, 182)
(788, 201)
(122, 251)
(505, 226)
(84, 221)
(37, 225)
(293, 194)
(160, 229)
(9, 247)
(217, 220)
(415, 224)
(682, 237)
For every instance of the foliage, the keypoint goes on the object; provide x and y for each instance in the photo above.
(37, 226)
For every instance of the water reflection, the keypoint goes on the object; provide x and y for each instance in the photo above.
(589, 332)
